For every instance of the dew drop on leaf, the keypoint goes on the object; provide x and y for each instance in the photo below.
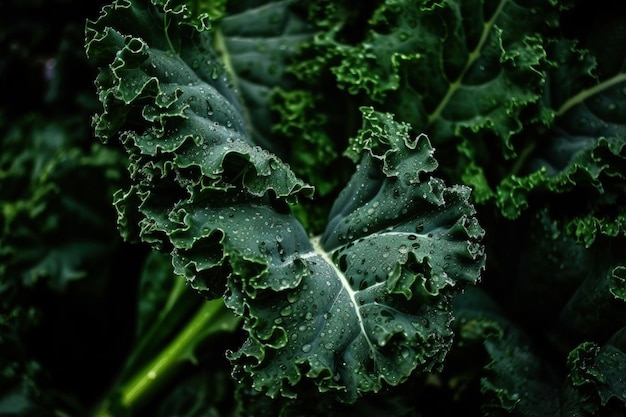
(292, 297)
(286, 311)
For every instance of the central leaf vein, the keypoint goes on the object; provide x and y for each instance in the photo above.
(471, 58)
(345, 286)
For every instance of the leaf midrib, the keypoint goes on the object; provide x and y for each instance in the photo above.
(471, 58)
(583, 95)
(345, 285)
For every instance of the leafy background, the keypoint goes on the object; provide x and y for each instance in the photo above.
(543, 334)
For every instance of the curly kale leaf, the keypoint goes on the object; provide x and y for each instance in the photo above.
(563, 298)
(595, 384)
(178, 118)
(582, 156)
(372, 304)
(366, 304)
(512, 377)
(472, 75)
(448, 67)
(257, 40)
(518, 376)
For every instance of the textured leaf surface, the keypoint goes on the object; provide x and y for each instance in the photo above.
(448, 67)
(367, 303)
(582, 154)
(514, 380)
(596, 383)
(373, 302)
(172, 105)
(258, 41)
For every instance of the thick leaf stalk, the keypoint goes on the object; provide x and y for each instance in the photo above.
(145, 383)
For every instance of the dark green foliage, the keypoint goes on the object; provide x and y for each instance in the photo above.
(312, 208)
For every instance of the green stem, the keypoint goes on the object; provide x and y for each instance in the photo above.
(139, 388)
(219, 45)
(176, 310)
(166, 26)
(145, 381)
(471, 58)
(523, 156)
(585, 94)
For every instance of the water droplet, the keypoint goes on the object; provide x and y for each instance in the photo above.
(286, 311)
(292, 297)
(306, 348)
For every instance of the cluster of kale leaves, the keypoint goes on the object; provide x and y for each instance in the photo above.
(542, 334)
